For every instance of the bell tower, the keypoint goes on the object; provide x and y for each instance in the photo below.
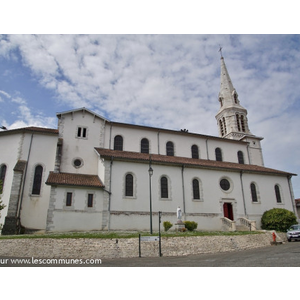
(232, 118)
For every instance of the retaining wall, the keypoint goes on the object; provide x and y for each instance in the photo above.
(122, 248)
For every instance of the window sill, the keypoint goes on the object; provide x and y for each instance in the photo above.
(165, 199)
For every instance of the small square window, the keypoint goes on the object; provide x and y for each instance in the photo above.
(81, 132)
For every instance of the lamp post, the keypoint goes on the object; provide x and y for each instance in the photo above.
(150, 175)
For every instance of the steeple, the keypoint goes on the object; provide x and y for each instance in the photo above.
(232, 117)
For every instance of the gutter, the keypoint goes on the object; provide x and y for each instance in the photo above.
(183, 188)
(243, 194)
(292, 195)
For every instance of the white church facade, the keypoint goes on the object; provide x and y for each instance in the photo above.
(94, 174)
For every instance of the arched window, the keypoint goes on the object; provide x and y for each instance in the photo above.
(218, 154)
(2, 177)
(144, 146)
(195, 152)
(277, 193)
(224, 123)
(240, 155)
(118, 143)
(170, 149)
(129, 185)
(243, 123)
(164, 191)
(238, 122)
(253, 192)
(196, 189)
(221, 127)
(37, 180)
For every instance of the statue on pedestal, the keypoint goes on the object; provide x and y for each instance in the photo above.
(179, 215)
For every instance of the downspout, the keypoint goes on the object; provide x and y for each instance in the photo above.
(23, 185)
(207, 149)
(110, 131)
(243, 194)
(248, 154)
(109, 192)
(183, 188)
(292, 195)
(104, 131)
(158, 146)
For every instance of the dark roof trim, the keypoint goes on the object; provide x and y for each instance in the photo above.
(31, 129)
(72, 179)
(80, 110)
(191, 162)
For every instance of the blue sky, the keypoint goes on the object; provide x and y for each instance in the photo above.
(158, 80)
(169, 81)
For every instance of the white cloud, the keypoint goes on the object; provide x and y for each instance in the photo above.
(26, 118)
(5, 94)
(171, 81)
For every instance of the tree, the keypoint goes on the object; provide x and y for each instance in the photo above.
(279, 219)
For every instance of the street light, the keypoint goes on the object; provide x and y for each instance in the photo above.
(150, 175)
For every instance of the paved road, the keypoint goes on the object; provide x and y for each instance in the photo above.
(286, 255)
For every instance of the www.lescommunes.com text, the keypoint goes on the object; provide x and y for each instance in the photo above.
(50, 261)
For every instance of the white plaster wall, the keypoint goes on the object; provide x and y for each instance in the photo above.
(78, 216)
(131, 138)
(229, 150)
(206, 212)
(80, 148)
(43, 152)
(266, 194)
(10, 152)
(182, 143)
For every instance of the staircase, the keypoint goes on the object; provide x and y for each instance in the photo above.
(242, 225)
(241, 228)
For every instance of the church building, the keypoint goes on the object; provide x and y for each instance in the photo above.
(95, 174)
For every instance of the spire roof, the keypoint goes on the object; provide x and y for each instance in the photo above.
(226, 88)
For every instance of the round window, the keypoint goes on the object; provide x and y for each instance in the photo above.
(225, 184)
(77, 163)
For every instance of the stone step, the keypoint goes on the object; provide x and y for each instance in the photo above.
(242, 228)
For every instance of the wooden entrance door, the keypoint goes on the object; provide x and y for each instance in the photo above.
(228, 212)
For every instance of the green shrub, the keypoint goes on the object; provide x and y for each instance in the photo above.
(167, 225)
(190, 225)
(278, 219)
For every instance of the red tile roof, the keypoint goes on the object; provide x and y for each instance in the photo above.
(175, 160)
(74, 180)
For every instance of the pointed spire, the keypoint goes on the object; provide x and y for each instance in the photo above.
(226, 89)
(232, 117)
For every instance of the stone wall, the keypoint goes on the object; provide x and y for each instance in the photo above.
(122, 248)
